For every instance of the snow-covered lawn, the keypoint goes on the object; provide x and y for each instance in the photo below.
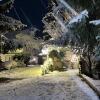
(54, 86)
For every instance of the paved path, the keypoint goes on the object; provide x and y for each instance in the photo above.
(55, 86)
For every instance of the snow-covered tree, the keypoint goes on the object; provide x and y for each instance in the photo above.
(6, 5)
(7, 24)
(78, 29)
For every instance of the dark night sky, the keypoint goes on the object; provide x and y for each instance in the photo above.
(34, 9)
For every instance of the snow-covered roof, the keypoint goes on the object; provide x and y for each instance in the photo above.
(44, 51)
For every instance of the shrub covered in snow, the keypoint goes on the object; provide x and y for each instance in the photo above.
(46, 66)
(53, 62)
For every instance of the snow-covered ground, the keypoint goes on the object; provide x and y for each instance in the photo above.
(54, 86)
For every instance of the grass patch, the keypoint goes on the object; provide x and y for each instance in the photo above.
(25, 72)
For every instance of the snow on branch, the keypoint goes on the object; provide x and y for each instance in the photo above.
(83, 15)
(95, 22)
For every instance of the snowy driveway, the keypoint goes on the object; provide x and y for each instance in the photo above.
(55, 86)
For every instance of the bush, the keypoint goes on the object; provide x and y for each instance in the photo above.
(10, 64)
(47, 66)
(22, 59)
(54, 53)
(52, 63)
